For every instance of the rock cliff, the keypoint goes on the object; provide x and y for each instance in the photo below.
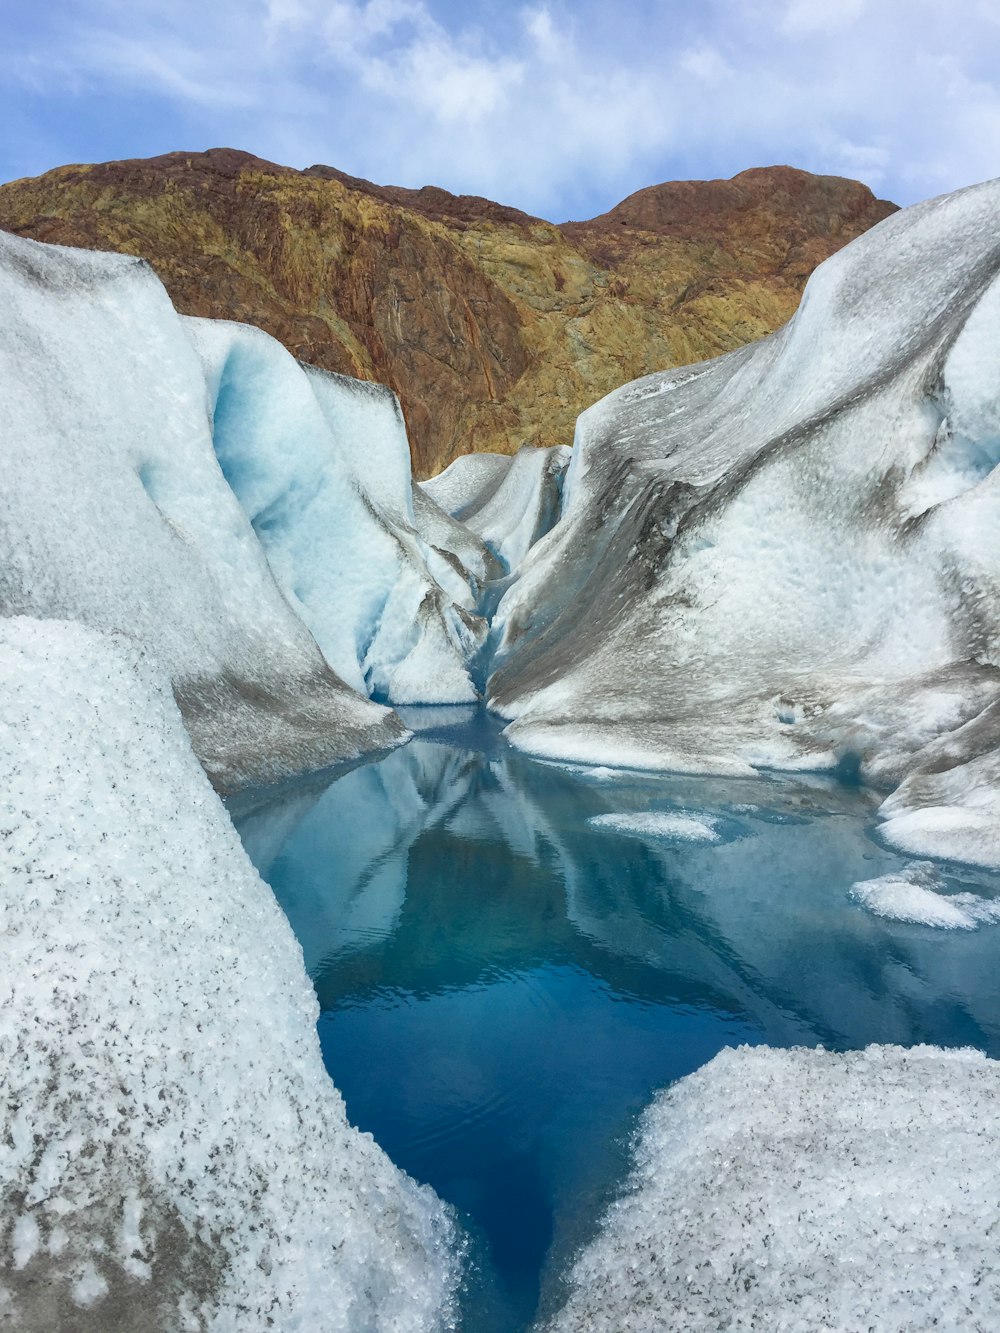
(495, 328)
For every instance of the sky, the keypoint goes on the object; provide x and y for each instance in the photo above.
(558, 108)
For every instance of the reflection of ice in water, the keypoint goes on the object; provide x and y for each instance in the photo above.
(737, 886)
(529, 978)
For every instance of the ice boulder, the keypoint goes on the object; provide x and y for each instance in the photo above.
(800, 1189)
(114, 512)
(174, 1154)
(508, 502)
(321, 467)
(790, 556)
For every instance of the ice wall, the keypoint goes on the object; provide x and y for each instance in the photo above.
(249, 520)
(802, 1189)
(509, 503)
(114, 512)
(321, 467)
(174, 1154)
(790, 556)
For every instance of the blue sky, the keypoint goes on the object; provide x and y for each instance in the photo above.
(561, 109)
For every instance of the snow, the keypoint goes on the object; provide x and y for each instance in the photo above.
(951, 809)
(801, 1189)
(467, 483)
(912, 894)
(789, 557)
(248, 520)
(175, 1154)
(674, 826)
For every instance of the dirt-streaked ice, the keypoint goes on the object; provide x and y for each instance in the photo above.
(789, 557)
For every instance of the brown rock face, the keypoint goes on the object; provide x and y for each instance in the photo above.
(495, 328)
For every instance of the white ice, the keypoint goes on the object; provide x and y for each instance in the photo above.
(321, 466)
(511, 504)
(174, 1153)
(114, 512)
(248, 520)
(913, 895)
(672, 826)
(800, 1189)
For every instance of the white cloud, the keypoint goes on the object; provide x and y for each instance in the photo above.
(810, 16)
(557, 108)
(704, 62)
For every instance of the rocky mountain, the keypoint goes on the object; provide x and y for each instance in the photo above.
(495, 328)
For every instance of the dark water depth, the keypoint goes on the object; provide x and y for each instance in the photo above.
(504, 985)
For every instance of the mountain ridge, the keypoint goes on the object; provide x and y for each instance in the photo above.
(495, 328)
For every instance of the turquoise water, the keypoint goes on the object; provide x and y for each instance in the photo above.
(504, 985)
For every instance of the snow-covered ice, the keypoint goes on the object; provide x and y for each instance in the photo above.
(914, 894)
(249, 520)
(670, 825)
(789, 557)
(801, 1189)
(174, 1153)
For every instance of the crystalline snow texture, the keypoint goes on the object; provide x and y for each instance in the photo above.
(805, 1190)
(166, 1165)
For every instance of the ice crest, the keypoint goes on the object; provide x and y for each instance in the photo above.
(787, 558)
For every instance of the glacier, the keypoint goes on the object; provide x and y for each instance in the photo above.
(510, 503)
(321, 467)
(789, 557)
(803, 1189)
(163, 1166)
(189, 483)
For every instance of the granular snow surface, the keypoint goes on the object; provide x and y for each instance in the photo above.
(805, 1190)
(165, 1163)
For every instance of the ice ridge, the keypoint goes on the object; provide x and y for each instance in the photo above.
(789, 557)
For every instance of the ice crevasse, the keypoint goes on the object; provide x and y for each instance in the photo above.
(789, 557)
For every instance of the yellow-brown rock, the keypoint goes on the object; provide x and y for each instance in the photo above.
(495, 328)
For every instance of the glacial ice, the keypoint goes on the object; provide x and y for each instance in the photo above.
(671, 825)
(511, 504)
(165, 1165)
(801, 1189)
(321, 466)
(250, 521)
(914, 894)
(789, 557)
(114, 512)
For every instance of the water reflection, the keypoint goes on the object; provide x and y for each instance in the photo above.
(504, 984)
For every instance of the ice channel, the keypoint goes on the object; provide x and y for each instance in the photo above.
(511, 957)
